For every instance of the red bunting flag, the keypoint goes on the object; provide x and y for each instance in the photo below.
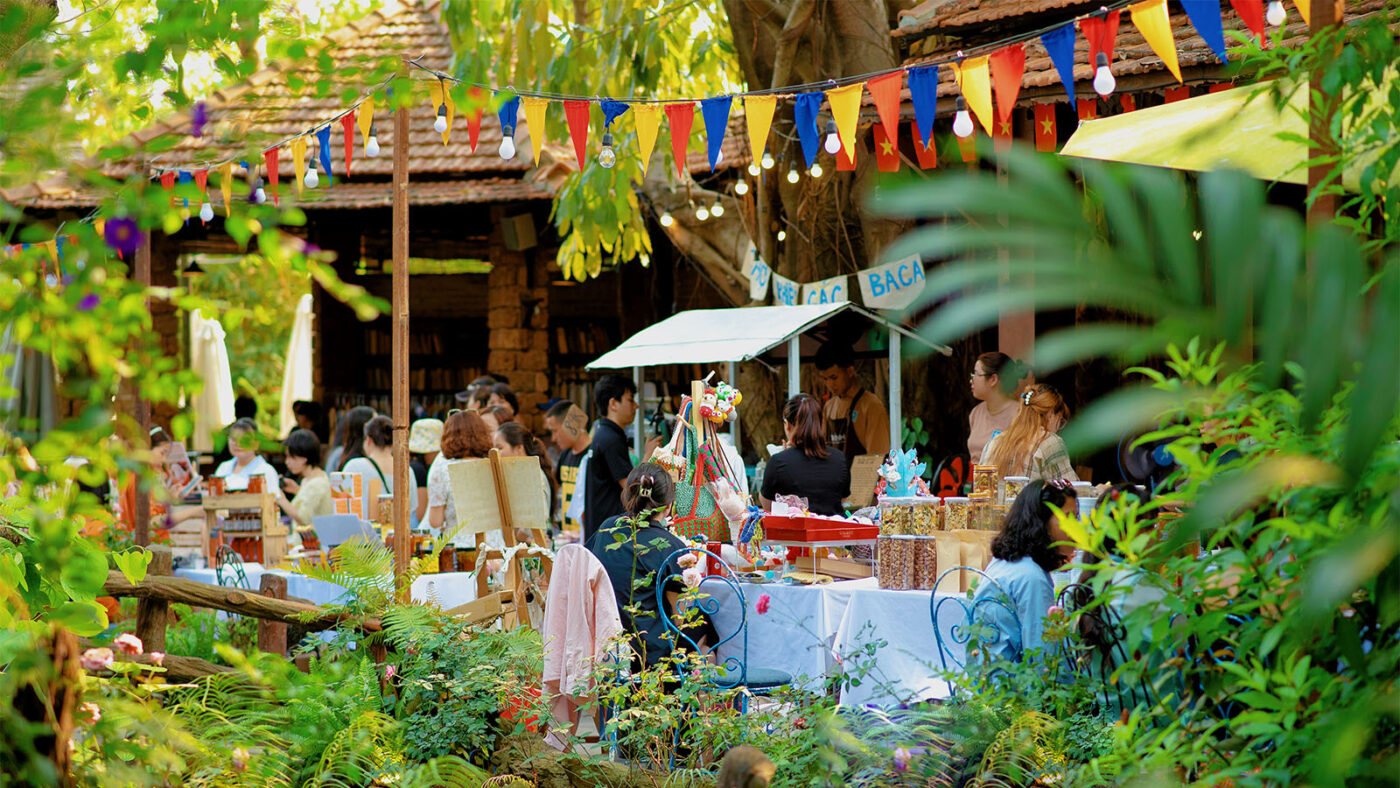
(201, 180)
(1008, 66)
(884, 91)
(576, 112)
(680, 117)
(347, 123)
(1219, 86)
(1088, 109)
(967, 146)
(1100, 30)
(927, 155)
(886, 150)
(270, 157)
(477, 98)
(167, 182)
(1001, 138)
(1045, 136)
(1127, 101)
(845, 163)
(1252, 14)
(1178, 93)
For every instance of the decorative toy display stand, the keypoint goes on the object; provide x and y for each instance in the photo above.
(696, 460)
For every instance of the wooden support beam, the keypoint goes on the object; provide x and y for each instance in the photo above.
(272, 635)
(231, 600)
(151, 612)
(400, 345)
(141, 518)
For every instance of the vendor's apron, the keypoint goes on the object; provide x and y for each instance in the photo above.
(842, 435)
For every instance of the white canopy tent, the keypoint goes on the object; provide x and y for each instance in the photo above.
(712, 336)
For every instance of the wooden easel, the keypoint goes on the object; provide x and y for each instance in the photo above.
(515, 611)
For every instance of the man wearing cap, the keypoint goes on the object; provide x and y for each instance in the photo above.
(424, 443)
(568, 428)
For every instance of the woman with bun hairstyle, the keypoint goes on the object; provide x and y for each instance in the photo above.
(1030, 446)
(807, 467)
(996, 378)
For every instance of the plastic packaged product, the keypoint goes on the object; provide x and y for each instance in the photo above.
(980, 514)
(1087, 505)
(925, 561)
(1014, 486)
(985, 480)
(923, 517)
(957, 514)
(894, 568)
(894, 516)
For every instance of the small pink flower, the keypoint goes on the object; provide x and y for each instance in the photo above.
(693, 576)
(389, 671)
(240, 759)
(687, 560)
(901, 759)
(763, 602)
(96, 659)
(128, 643)
(158, 658)
(1054, 610)
(90, 714)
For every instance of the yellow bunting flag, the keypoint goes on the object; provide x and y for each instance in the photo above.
(534, 117)
(845, 110)
(364, 117)
(226, 186)
(1304, 10)
(975, 79)
(299, 160)
(758, 113)
(52, 248)
(1150, 16)
(647, 117)
(439, 96)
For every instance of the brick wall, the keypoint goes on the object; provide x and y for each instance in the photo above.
(518, 322)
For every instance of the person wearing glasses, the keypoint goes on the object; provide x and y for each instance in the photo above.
(1024, 554)
(1031, 446)
(994, 380)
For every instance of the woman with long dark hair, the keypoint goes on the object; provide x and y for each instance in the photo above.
(349, 437)
(1031, 446)
(995, 380)
(513, 440)
(808, 467)
(1023, 556)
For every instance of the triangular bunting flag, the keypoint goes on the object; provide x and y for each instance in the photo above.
(167, 182)
(506, 114)
(1150, 17)
(680, 117)
(534, 107)
(646, 117)
(270, 164)
(805, 107)
(923, 92)
(1205, 17)
(347, 125)
(611, 108)
(186, 177)
(1304, 10)
(845, 163)
(323, 147)
(886, 150)
(1045, 136)
(1252, 14)
(927, 154)
(298, 146)
(1008, 66)
(476, 99)
(976, 83)
(576, 113)
(439, 97)
(365, 118)
(967, 147)
(845, 110)
(884, 92)
(52, 248)
(226, 186)
(201, 181)
(715, 111)
(758, 115)
(1059, 43)
(1101, 31)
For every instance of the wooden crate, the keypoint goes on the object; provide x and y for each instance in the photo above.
(273, 534)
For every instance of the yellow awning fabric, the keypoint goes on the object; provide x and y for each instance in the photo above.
(1224, 130)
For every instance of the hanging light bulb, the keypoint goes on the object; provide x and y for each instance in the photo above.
(606, 156)
(833, 139)
(792, 175)
(782, 236)
(312, 180)
(717, 209)
(1276, 15)
(741, 188)
(753, 169)
(440, 125)
(372, 145)
(702, 213)
(962, 122)
(206, 212)
(259, 194)
(507, 150)
(1104, 83)
(816, 170)
(768, 161)
(666, 219)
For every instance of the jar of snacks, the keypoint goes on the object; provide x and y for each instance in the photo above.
(894, 568)
(925, 563)
(384, 511)
(923, 516)
(895, 515)
(980, 514)
(1014, 486)
(957, 514)
(984, 480)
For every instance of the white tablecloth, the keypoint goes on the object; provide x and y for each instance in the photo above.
(447, 589)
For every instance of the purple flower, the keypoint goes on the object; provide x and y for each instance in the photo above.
(763, 602)
(123, 235)
(901, 759)
(89, 302)
(389, 671)
(198, 117)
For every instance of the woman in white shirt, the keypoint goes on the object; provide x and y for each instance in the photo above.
(378, 464)
(246, 463)
(464, 437)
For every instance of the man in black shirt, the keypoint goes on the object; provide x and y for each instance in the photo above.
(568, 428)
(609, 460)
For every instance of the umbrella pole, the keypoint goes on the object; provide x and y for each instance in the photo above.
(400, 337)
(141, 518)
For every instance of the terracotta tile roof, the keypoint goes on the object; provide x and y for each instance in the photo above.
(965, 13)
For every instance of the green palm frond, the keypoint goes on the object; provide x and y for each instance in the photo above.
(1018, 755)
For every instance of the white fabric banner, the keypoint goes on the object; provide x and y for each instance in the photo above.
(827, 291)
(784, 290)
(758, 273)
(893, 285)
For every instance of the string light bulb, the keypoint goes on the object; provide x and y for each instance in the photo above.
(792, 175)
(372, 144)
(833, 139)
(1276, 15)
(312, 180)
(440, 124)
(782, 236)
(259, 194)
(717, 209)
(666, 219)
(768, 161)
(702, 213)
(206, 212)
(962, 122)
(1104, 83)
(753, 169)
(816, 170)
(741, 188)
(607, 157)
(507, 150)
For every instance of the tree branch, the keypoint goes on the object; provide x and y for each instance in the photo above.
(796, 25)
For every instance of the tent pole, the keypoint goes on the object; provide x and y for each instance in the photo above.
(896, 392)
(141, 518)
(639, 437)
(733, 381)
(794, 367)
(400, 340)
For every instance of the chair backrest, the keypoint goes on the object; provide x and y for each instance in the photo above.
(1103, 651)
(735, 668)
(976, 627)
(333, 530)
(228, 569)
(950, 475)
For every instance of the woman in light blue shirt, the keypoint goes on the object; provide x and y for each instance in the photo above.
(1023, 556)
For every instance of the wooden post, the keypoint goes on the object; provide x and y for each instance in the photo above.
(1326, 14)
(400, 339)
(141, 518)
(151, 612)
(272, 635)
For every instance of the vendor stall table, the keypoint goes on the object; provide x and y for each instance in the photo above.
(447, 589)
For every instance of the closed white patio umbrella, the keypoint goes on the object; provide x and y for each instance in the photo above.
(213, 405)
(296, 373)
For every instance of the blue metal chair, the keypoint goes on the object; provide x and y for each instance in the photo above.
(733, 671)
(1103, 651)
(226, 560)
(977, 628)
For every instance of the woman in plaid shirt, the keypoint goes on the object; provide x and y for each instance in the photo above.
(1030, 446)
